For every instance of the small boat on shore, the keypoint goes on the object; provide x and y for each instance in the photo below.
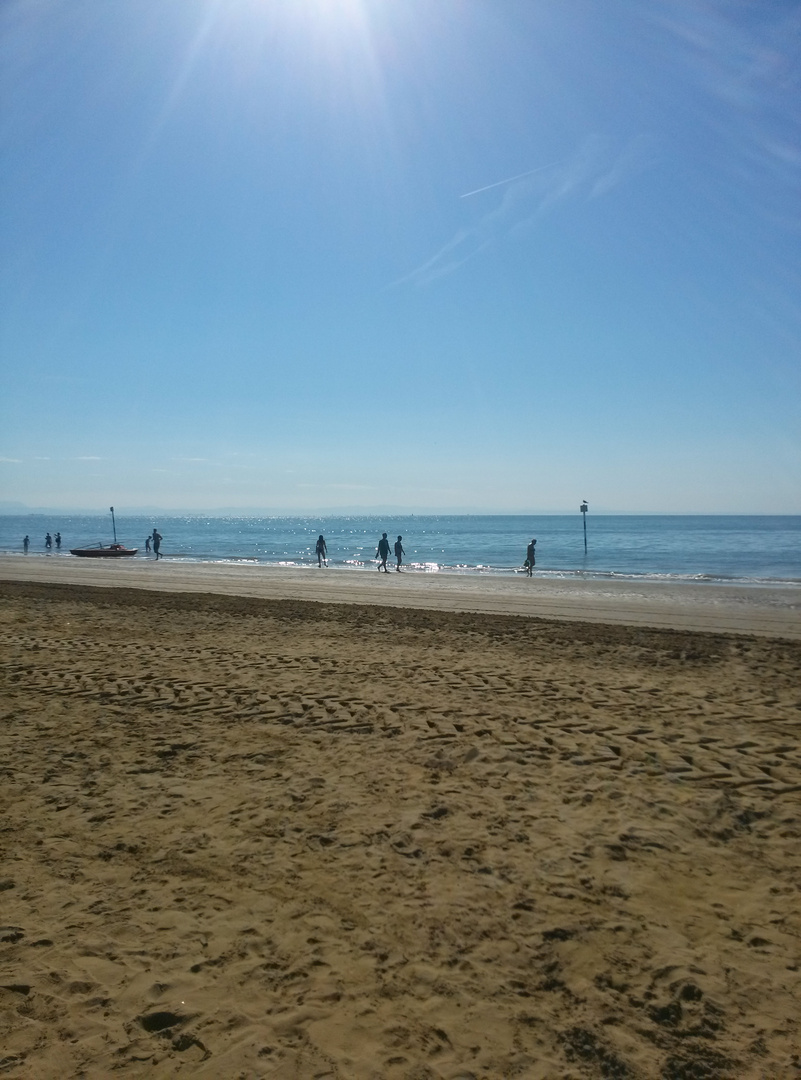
(113, 551)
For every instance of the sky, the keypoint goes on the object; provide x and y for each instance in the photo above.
(471, 255)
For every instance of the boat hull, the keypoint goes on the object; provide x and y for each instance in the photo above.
(115, 551)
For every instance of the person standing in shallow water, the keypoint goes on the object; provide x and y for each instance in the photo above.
(531, 552)
(48, 542)
(399, 552)
(321, 551)
(157, 538)
(58, 541)
(26, 543)
(382, 553)
(147, 544)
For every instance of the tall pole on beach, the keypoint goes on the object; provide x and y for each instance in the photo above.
(113, 523)
(583, 508)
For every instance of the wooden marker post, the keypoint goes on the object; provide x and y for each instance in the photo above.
(583, 508)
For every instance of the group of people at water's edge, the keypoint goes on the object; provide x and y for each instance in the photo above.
(153, 542)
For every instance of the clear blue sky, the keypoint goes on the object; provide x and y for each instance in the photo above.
(248, 260)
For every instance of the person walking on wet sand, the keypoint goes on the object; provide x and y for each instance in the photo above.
(157, 538)
(531, 552)
(382, 553)
(399, 552)
(321, 551)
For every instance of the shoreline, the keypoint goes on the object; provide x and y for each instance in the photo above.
(764, 610)
(482, 571)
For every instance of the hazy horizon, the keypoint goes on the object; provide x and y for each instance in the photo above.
(8, 510)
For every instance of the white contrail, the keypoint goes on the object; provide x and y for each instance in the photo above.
(508, 180)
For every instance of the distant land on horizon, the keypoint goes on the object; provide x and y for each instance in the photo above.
(21, 509)
(16, 509)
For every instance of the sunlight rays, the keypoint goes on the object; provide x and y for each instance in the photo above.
(208, 16)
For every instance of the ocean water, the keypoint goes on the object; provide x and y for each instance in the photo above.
(693, 548)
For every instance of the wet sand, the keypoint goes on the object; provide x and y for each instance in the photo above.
(263, 837)
(771, 610)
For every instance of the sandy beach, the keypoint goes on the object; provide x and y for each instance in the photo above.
(400, 832)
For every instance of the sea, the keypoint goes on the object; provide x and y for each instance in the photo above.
(718, 548)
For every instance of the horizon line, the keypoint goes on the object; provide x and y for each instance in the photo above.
(22, 510)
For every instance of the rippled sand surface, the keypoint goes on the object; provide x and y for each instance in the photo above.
(250, 837)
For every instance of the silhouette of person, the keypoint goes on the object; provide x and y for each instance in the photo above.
(26, 544)
(531, 553)
(321, 551)
(58, 541)
(157, 538)
(49, 542)
(399, 552)
(147, 545)
(382, 553)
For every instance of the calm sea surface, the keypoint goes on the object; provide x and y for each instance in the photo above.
(718, 548)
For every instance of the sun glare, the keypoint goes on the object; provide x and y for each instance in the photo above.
(336, 15)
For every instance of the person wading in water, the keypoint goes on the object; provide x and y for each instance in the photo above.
(321, 552)
(531, 553)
